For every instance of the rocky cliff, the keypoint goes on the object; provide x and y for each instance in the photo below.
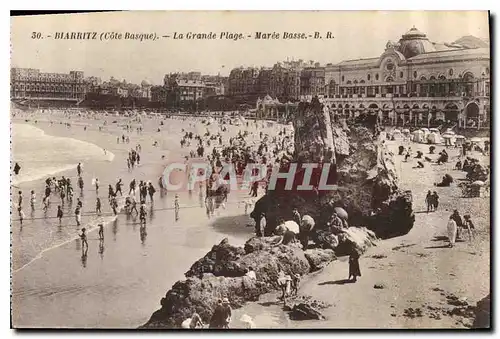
(361, 166)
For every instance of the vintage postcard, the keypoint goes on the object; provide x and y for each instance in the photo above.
(251, 170)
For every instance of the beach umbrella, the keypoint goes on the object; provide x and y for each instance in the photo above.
(459, 137)
(292, 226)
(475, 139)
(478, 183)
(341, 213)
(406, 130)
(396, 131)
(435, 130)
(447, 136)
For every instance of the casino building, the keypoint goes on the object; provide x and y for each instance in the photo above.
(416, 82)
(28, 84)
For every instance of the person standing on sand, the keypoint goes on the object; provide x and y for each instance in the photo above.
(96, 182)
(452, 231)
(132, 187)
(20, 199)
(80, 185)
(435, 200)
(111, 193)
(354, 270)
(17, 168)
(79, 169)
(78, 216)
(83, 237)
(59, 213)
(21, 215)
(33, 200)
(429, 201)
(469, 226)
(142, 214)
(151, 191)
(101, 231)
(98, 206)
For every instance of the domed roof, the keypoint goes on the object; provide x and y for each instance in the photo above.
(413, 33)
(414, 42)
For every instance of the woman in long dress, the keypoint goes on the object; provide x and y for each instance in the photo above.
(452, 231)
(354, 270)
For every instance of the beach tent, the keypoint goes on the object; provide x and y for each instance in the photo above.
(459, 140)
(433, 138)
(396, 134)
(435, 130)
(418, 136)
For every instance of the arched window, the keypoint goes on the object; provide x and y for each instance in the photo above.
(376, 76)
(348, 82)
(415, 74)
(442, 77)
(432, 77)
(450, 72)
(423, 78)
(389, 79)
(355, 82)
(343, 78)
(401, 74)
(368, 77)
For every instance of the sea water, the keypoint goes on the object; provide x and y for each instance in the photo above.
(41, 156)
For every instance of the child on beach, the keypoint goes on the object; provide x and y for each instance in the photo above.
(469, 226)
(32, 200)
(59, 213)
(83, 237)
(78, 216)
(142, 214)
(101, 231)
(98, 206)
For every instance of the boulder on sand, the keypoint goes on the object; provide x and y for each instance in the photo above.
(483, 313)
(304, 311)
(319, 258)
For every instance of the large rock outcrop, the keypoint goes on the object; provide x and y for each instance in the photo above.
(359, 164)
(221, 273)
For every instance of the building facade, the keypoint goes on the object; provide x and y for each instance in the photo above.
(416, 83)
(29, 83)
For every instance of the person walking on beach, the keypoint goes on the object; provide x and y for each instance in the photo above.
(101, 231)
(132, 187)
(469, 226)
(458, 220)
(32, 200)
(63, 195)
(59, 213)
(142, 214)
(111, 193)
(46, 202)
(79, 169)
(114, 205)
(98, 206)
(83, 237)
(138, 159)
(429, 201)
(80, 185)
(78, 216)
(96, 183)
(21, 215)
(79, 203)
(452, 231)
(176, 207)
(20, 199)
(133, 205)
(354, 270)
(151, 191)
(118, 187)
(435, 201)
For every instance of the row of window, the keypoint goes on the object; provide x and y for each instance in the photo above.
(415, 76)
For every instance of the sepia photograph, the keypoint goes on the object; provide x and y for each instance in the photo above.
(220, 170)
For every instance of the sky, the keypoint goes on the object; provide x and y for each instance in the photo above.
(357, 34)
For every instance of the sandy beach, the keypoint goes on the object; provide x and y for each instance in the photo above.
(416, 270)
